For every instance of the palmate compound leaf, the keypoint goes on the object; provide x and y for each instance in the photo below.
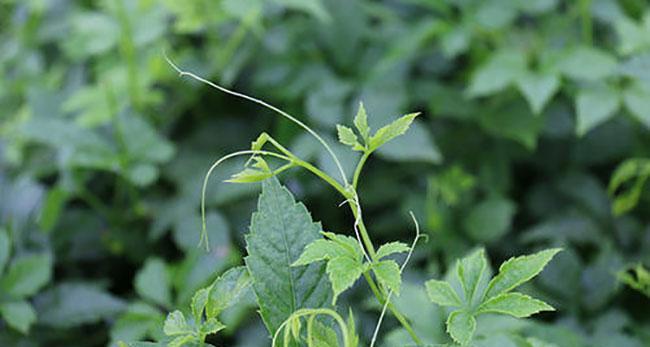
(519, 270)
(279, 232)
(461, 323)
(344, 260)
(382, 136)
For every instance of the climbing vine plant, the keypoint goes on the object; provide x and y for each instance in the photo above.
(295, 270)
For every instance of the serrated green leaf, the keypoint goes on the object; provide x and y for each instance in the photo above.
(5, 248)
(470, 270)
(343, 272)
(538, 89)
(388, 274)
(594, 106)
(18, 314)
(461, 326)
(211, 326)
(361, 123)
(184, 341)
(391, 248)
(280, 230)
(346, 136)
(514, 304)
(498, 72)
(199, 301)
(519, 270)
(228, 290)
(346, 245)
(27, 275)
(176, 324)
(317, 251)
(417, 146)
(152, 282)
(441, 293)
(340, 251)
(391, 131)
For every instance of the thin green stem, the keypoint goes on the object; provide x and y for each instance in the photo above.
(313, 312)
(204, 233)
(398, 315)
(367, 242)
(357, 171)
(270, 107)
(316, 171)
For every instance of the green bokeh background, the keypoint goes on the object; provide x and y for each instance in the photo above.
(527, 108)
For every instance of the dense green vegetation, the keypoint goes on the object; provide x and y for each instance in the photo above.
(525, 170)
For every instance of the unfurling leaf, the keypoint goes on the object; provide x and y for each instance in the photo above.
(258, 172)
(260, 142)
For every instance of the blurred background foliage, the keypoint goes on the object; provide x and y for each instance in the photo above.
(528, 106)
